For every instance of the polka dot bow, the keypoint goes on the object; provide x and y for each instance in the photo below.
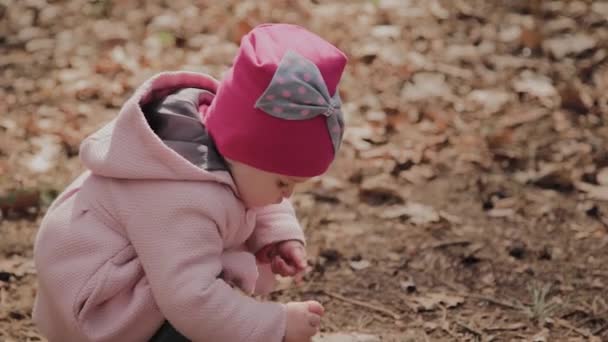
(297, 91)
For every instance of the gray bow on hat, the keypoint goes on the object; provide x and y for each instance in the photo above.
(297, 91)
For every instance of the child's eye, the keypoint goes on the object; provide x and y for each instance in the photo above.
(282, 184)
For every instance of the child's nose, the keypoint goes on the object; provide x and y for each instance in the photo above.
(287, 193)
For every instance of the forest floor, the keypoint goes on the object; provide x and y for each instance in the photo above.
(469, 201)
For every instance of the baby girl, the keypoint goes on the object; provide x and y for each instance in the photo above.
(183, 211)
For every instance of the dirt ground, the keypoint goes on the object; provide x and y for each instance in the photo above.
(469, 202)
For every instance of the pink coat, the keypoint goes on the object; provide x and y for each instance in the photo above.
(145, 235)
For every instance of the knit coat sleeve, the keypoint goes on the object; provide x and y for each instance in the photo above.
(275, 223)
(178, 230)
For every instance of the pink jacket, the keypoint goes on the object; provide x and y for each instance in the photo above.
(145, 235)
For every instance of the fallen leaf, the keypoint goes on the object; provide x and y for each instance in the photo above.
(449, 217)
(437, 10)
(417, 213)
(491, 100)
(426, 85)
(431, 301)
(114, 31)
(430, 326)
(345, 337)
(418, 174)
(561, 122)
(598, 192)
(18, 266)
(239, 30)
(386, 32)
(408, 285)
(19, 201)
(602, 176)
(507, 212)
(510, 33)
(359, 264)
(507, 327)
(541, 336)
(379, 190)
(49, 148)
(597, 283)
(600, 8)
(573, 99)
(558, 25)
(571, 44)
(534, 84)
(531, 38)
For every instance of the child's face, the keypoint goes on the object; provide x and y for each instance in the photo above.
(259, 188)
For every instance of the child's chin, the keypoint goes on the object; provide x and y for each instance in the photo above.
(263, 204)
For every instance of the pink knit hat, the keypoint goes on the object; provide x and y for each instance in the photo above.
(278, 109)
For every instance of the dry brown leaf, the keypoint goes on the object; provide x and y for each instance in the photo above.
(418, 174)
(534, 84)
(598, 192)
(507, 212)
(432, 301)
(437, 10)
(531, 38)
(571, 44)
(380, 190)
(522, 117)
(574, 99)
(408, 285)
(490, 100)
(602, 176)
(417, 213)
(18, 266)
(426, 86)
(561, 122)
(19, 201)
(541, 336)
(239, 30)
(359, 265)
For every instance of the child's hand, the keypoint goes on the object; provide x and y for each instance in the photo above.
(303, 321)
(290, 258)
(287, 258)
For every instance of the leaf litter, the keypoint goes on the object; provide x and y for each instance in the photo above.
(476, 129)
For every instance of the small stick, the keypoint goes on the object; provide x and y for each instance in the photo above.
(445, 326)
(2, 297)
(491, 300)
(471, 329)
(512, 328)
(442, 244)
(564, 324)
(600, 329)
(364, 304)
(592, 318)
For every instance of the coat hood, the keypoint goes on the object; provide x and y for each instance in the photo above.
(158, 134)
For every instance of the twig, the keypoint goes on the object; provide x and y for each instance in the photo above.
(574, 311)
(331, 325)
(471, 329)
(445, 325)
(600, 329)
(564, 324)
(442, 244)
(511, 328)
(592, 318)
(491, 300)
(364, 304)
